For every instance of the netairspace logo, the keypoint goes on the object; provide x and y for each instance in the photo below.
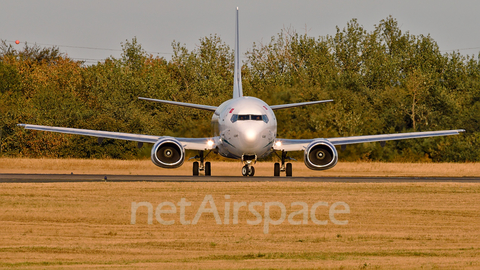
(208, 206)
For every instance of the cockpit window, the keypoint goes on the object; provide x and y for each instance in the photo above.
(243, 117)
(265, 118)
(256, 117)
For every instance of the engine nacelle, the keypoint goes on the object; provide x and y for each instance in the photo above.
(168, 153)
(321, 155)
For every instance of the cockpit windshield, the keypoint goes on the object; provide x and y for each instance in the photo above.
(244, 117)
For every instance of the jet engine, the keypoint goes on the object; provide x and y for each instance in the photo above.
(321, 155)
(168, 153)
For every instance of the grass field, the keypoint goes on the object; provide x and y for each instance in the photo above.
(146, 167)
(88, 225)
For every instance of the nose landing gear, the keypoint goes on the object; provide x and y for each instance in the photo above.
(248, 169)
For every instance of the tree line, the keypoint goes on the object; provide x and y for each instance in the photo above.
(381, 81)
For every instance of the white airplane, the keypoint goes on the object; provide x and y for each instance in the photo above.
(244, 128)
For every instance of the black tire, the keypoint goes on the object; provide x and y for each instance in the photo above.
(208, 169)
(245, 170)
(276, 169)
(195, 168)
(288, 170)
(252, 171)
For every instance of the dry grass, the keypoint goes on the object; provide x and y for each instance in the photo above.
(146, 167)
(390, 226)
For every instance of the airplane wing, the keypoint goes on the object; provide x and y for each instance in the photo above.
(187, 143)
(301, 144)
(291, 105)
(191, 105)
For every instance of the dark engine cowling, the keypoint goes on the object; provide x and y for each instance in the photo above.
(321, 155)
(168, 153)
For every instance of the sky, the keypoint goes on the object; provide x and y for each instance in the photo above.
(93, 30)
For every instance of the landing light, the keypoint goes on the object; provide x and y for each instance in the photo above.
(210, 143)
(278, 143)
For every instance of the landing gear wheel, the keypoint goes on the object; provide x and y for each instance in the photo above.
(208, 169)
(245, 170)
(276, 169)
(248, 170)
(288, 170)
(195, 168)
(251, 172)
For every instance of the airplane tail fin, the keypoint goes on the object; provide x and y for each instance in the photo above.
(237, 77)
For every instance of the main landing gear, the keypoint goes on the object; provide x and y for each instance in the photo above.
(197, 167)
(287, 169)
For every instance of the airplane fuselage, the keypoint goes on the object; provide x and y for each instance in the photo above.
(246, 128)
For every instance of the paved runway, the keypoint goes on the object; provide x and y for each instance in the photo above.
(66, 178)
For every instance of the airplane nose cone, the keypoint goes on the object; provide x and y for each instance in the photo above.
(251, 136)
(252, 141)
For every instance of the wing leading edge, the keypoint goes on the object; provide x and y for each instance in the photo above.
(291, 105)
(187, 143)
(184, 104)
(301, 144)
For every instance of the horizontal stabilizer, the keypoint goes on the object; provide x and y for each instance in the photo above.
(191, 105)
(291, 105)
